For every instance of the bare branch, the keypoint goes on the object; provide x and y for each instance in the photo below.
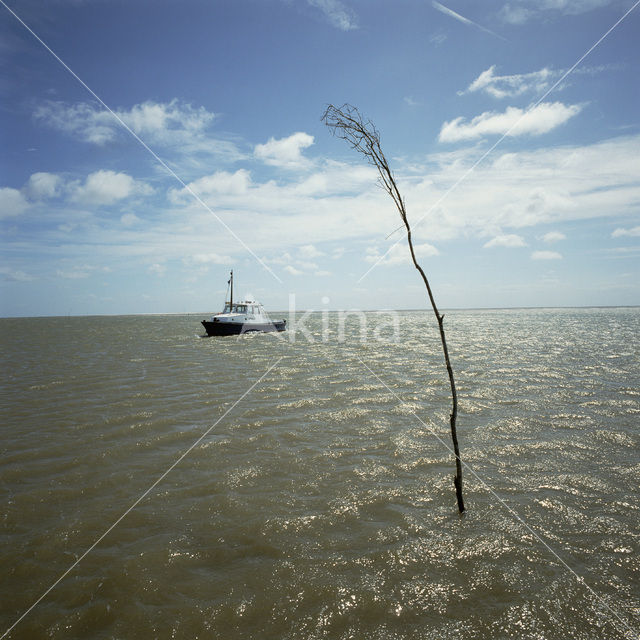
(347, 123)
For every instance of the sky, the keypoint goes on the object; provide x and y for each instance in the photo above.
(151, 146)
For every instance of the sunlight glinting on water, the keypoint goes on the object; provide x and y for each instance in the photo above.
(321, 506)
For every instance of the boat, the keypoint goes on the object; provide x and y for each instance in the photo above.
(241, 317)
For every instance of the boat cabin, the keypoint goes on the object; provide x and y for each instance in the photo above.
(249, 308)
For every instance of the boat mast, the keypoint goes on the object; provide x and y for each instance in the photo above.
(231, 298)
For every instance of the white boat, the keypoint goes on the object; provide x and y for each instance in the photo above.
(241, 317)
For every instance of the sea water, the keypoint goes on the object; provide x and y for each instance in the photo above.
(158, 484)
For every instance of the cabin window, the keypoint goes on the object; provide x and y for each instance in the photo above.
(241, 308)
(227, 308)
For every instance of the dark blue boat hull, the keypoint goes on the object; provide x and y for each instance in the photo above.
(215, 328)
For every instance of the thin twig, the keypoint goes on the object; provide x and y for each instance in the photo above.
(347, 123)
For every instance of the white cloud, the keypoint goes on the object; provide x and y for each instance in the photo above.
(515, 14)
(210, 258)
(618, 233)
(12, 202)
(513, 191)
(285, 258)
(292, 270)
(308, 251)
(521, 11)
(509, 240)
(338, 15)
(15, 275)
(42, 186)
(537, 120)
(509, 86)
(220, 183)
(337, 178)
(546, 255)
(505, 194)
(553, 236)
(174, 124)
(285, 152)
(425, 250)
(76, 272)
(154, 121)
(300, 263)
(81, 120)
(161, 120)
(437, 38)
(574, 7)
(107, 187)
(224, 190)
(130, 219)
(543, 188)
(512, 85)
(157, 269)
(399, 254)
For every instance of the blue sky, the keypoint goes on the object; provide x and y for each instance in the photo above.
(522, 180)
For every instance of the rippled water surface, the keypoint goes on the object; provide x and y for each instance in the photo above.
(320, 502)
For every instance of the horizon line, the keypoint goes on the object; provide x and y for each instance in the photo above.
(428, 309)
